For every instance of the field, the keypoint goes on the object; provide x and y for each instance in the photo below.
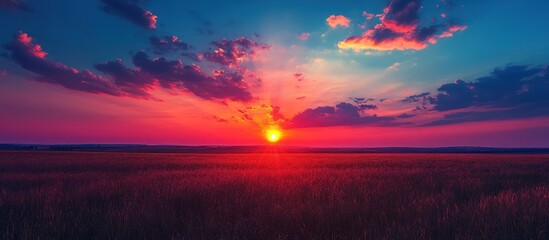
(100, 195)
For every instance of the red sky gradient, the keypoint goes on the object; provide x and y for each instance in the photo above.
(381, 73)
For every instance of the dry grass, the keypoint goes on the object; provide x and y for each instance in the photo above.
(72, 195)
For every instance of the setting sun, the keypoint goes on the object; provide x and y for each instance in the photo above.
(273, 135)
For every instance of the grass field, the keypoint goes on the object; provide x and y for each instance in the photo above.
(87, 195)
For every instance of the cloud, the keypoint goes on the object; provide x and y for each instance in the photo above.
(130, 10)
(512, 86)
(304, 36)
(423, 98)
(339, 20)
(393, 67)
(231, 53)
(3, 73)
(510, 92)
(362, 103)
(400, 30)
(369, 16)
(124, 81)
(526, 111)
(14, 5)
(167, 44)
(343, 114)
(175, 75)
(31, 57)
(130, 81)
(261, 115)
(451, 30)
(299, 76)
(515, 91)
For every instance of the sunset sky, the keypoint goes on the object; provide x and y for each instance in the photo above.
(326, 73)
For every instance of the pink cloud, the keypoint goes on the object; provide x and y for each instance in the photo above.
(26, 42)
(304, 36)
(151, 19)
(339, 20)
(451, 30)
(400, 30)
(368, 16)
(368, 41)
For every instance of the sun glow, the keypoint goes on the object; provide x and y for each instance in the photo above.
(273, 135)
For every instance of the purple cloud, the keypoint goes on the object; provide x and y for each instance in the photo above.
(31, 57)
(174, 75)
(232, 53)
(130, 10)
(167, 44)
(130, 81)
(511, 86)
(515, 91)
(343, 114)
(124, 81)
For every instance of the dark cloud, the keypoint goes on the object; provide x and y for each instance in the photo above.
(31, 57)
(174, 75)
(167, 44)
(362, 103)
(124, 81)
(509, 87)
(423, 98)
(131, 81)
(343, 114)
(400, 30)
(402, 15)
(14, 5)
(525, 111)
(231, 53)
(515, 91)
(130, 10)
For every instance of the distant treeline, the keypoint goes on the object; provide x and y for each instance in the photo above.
(259, 149)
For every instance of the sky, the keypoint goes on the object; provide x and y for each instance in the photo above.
(324, 73)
